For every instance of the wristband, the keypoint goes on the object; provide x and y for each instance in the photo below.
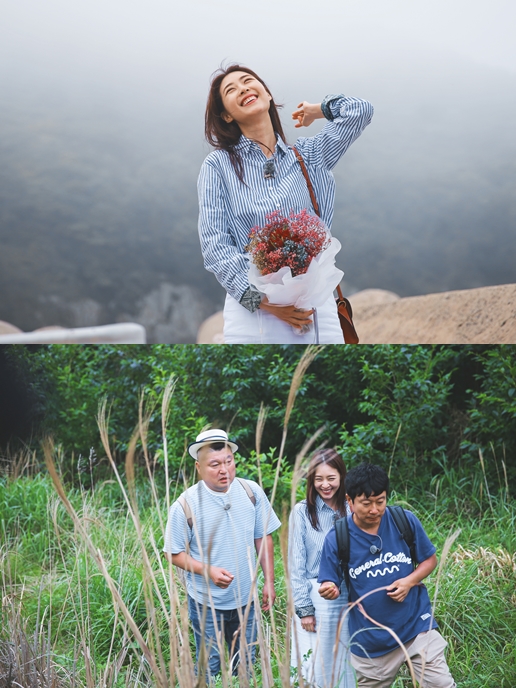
(251, 299)
(325, 105)
(309, 610)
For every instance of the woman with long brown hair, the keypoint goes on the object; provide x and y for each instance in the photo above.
(320, 639)
(253, 172)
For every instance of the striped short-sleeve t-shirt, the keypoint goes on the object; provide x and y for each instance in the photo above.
(225, 526)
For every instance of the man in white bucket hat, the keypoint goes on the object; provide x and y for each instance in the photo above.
(213, 532)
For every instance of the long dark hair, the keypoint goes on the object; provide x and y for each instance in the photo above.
(225, 135)
(333, 459)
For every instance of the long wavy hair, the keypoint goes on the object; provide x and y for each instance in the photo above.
(331, 458)
(224, 135)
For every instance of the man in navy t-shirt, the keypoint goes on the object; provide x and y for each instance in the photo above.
(380, 568)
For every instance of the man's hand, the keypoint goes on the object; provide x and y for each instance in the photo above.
(306, 113)
(221, 577)
(329, 590)
(268, 596)
(398, 590)
(297, 317)
(308, 623)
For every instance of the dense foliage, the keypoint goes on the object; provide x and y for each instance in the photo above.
(49, 576)
(441, 419)
(414, 409)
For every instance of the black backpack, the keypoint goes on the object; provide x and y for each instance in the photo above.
(342, 534)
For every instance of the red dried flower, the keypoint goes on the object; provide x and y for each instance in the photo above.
(291, 241)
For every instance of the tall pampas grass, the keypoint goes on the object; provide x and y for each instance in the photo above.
(159, 651)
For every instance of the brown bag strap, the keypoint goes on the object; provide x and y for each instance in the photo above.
(308, 182)
(347, 311)
(343, 305)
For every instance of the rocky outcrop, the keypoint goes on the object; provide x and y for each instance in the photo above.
(211, 330)
(473, 316)
(171, 314)
(7, 328)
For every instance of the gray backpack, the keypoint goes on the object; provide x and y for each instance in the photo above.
(188, 512)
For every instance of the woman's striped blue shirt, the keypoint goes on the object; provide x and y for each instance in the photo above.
(229, 209)
(305, 545)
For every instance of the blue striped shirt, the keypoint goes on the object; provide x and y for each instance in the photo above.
(228, 209)
(225, 526)
(305, 549)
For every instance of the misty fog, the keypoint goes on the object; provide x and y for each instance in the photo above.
(101, 140)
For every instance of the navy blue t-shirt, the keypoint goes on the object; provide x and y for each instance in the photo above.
(369, 571)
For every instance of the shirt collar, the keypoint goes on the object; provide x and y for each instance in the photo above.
(218, 494)
(320, 504)
(246, 145)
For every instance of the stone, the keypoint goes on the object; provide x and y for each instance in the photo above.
(7, 328)
(211, 330)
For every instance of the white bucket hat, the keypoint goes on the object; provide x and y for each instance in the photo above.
(210, 437)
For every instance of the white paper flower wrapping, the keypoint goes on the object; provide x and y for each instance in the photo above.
(309, 290)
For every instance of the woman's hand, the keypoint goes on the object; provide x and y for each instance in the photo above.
(297, 317)
(306, 113)
(308, 623)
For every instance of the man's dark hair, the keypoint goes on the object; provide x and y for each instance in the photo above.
(366, 479)
(217, 446)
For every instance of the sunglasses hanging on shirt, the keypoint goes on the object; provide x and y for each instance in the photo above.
(269, 169)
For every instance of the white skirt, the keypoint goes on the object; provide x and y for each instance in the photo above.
(243, 327)
(324, 655)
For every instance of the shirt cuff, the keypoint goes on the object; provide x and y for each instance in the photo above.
(309, 610)
(251, 299)
(325, 106)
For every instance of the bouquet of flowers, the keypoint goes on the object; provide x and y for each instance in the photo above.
(293, 260)
(287, 242)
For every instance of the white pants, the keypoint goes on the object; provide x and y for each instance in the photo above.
(243, 327)
(328, 665)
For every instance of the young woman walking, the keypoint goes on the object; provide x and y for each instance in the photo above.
(253, 172)
(320, 639)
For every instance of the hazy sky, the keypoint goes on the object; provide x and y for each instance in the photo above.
(124, 39)
(102, 133)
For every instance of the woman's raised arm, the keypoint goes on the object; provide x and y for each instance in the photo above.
(347, 118)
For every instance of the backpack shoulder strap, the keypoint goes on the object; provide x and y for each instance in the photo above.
(188, 511)
(186, 508)
(407, 533)
(342, 535)
(248, 490)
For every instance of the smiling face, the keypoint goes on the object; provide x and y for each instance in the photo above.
(327, 482)
(216, 467)
(244, 97)
(368, 511)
